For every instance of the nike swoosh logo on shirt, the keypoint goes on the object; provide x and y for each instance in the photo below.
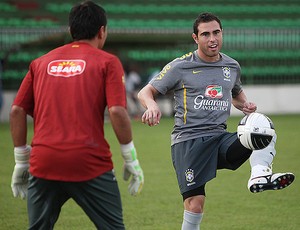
(195, 71)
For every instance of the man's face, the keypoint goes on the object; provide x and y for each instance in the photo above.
(209, 40)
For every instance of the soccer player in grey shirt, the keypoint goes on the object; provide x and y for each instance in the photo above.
(205, 84)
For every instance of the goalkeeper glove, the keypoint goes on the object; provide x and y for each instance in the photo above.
(132, 167)
(19, 181)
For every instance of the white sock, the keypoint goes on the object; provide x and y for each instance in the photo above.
(191, 220)
(261, 160)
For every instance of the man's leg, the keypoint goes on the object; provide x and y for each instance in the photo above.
(193, 208)
(100, 199)
(195, 163)
(193, 212)
(191, 220)
(262, 178)
(44, 203)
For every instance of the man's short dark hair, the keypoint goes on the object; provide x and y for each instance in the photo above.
(85, 20)
(205, 17)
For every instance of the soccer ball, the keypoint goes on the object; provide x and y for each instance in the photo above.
(255, 131)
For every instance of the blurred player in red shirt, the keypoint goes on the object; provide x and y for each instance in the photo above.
(66, 92)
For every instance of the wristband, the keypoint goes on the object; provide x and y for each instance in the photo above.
(22, 154)
(128, 152)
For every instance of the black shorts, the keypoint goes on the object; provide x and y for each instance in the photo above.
(196, 161)
(99, 198)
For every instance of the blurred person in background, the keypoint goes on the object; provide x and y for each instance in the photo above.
(205, 83)
(132, 82)
(66, 92)
(1, 88)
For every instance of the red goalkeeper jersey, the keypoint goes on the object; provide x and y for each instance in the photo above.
(66, 91)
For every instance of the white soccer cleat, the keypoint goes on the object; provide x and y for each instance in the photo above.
(274, 181)
(263, 179)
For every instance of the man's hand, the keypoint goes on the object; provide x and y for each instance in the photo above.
(152, 115)
(249, 107)
(132, 168)
(136, 184)
(19, 181)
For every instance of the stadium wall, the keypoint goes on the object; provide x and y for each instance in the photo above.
(272, 99)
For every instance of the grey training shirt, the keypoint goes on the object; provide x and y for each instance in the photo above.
(203, 93)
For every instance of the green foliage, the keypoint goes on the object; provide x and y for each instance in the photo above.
(229, 205)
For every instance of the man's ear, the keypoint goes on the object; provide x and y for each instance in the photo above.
(101, 33)
(195, 37)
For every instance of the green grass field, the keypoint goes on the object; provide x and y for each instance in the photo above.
(229, 205)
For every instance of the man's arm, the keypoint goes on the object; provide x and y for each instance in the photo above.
(241, 103)
(121, 124)
(18, 125)
(146, 97)
(122, 127)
